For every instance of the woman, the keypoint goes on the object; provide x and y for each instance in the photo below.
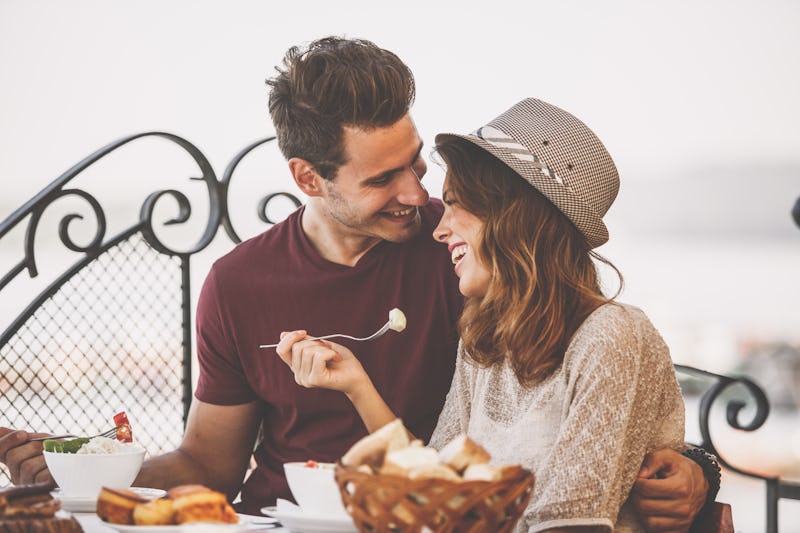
(551, 374)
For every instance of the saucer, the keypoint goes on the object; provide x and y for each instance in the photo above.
(88, 504)
(294, 519)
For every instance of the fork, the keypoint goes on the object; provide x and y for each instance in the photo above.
(111, 434)
(375, 335)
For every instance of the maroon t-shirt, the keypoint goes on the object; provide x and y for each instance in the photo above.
(277, 282)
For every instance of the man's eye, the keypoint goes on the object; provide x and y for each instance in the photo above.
(379, 182)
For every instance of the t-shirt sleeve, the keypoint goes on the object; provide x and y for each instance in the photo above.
(454, 418)
(621, 388)
(221, 379)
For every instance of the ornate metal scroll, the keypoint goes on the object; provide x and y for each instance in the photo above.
(263, 206)
(721, 385)
(113, 331)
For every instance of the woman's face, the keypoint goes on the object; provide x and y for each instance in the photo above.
(460, 230)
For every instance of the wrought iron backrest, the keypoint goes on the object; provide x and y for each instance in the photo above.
(736, 393)
(114, 330)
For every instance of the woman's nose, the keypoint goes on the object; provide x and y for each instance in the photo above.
(441, 233)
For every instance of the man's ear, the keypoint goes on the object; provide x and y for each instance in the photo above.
(305, 176)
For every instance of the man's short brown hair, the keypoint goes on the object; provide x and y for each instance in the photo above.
(333, 83)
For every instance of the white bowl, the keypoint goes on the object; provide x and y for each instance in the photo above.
(315, 489)
(82, 475)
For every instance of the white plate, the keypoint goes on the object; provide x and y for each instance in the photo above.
(188, 528)
(88, 504)
(296, 521)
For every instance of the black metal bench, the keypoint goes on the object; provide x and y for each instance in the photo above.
(114, 330)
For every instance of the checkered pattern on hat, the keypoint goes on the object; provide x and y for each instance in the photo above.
(560, 156)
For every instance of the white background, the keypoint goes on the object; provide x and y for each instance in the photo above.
(696, 100)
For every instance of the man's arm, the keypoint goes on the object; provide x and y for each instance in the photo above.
(670, 491)
(215, 450)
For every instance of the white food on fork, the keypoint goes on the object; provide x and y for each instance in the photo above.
(396, 322)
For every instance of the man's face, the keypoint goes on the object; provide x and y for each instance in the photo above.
(377, 193)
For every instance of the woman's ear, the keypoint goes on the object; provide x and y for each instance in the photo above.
(305, 176)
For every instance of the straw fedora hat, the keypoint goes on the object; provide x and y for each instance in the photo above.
(559, 155)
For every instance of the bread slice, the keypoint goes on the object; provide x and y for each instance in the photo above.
(482, 472)
(400, 462)
(116, 505)
(437, 471)
(154, 513)
(197, 503)
(462, 452)
(372, 449)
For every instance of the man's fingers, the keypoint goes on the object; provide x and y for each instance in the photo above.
(43, 476)
(663, 525)
(654, 462)
(30, 468)
(656, 488)
(10, 439)
(647, 507)
(24, 462)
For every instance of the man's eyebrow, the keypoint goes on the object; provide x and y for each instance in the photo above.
(387, 173)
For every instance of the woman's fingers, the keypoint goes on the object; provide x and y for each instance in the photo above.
(286, 345)
(309, 359)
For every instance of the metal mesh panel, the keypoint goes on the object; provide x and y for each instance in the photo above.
(109, 339)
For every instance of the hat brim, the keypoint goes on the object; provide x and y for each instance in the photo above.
(571, 205)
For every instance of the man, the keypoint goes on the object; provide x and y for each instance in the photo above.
(361, 246)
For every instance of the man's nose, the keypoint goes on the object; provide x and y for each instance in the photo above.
(412, 192)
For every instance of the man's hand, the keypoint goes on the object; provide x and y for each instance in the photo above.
(669, 492)
(24, 459)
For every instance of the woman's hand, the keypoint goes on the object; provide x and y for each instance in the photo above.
(323, 364)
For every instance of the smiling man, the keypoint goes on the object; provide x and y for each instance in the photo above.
(375, 196)
(361, 246)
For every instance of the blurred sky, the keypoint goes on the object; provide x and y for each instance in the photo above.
(697, 102)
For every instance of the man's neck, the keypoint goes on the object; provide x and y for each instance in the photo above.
(332, 241)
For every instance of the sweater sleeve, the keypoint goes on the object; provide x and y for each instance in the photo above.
(454, 418)
(622, 400)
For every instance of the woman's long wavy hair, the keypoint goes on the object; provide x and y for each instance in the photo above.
(544, 282)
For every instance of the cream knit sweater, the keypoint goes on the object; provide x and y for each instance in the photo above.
(585, 429)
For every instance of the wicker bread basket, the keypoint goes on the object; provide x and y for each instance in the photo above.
(390, 503)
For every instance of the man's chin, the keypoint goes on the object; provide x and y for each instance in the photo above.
(404, 233)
